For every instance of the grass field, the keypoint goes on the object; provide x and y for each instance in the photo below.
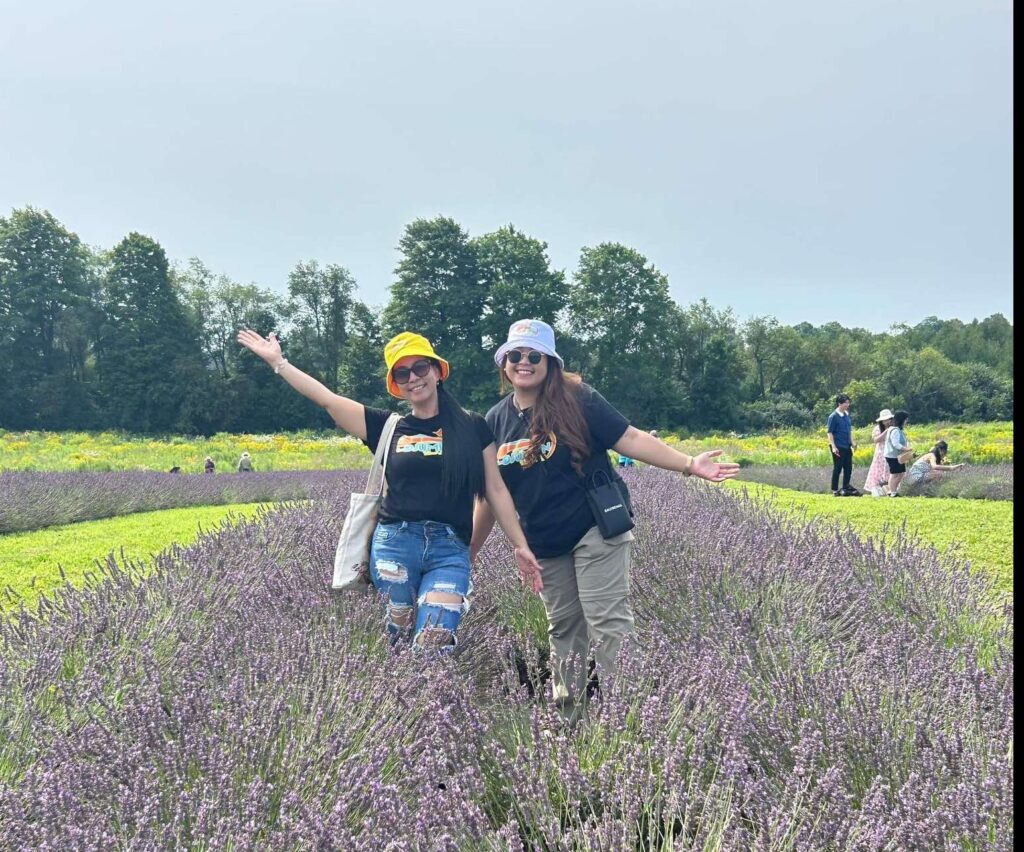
(976, 443)
(31, 561)
(981, 531)
(118, 451)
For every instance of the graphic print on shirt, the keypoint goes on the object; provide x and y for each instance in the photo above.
(426, 445)
(514, 452)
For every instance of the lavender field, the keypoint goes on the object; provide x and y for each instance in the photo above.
(787, 690)
(30, 501)
(977, 482)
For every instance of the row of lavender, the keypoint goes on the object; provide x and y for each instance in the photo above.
(30, 501)
(980, 482)
(788, 690)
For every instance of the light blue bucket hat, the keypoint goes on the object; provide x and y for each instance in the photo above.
(534, 333)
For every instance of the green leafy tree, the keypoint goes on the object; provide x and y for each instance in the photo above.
(710, 365)
(47, 322)
(988, 341)
(147, 354)
(321, 301)
(439, 294)
(362, 374)
(991, 393)
(218, 307)
(520, 282)
(618, 313)
(925, 383)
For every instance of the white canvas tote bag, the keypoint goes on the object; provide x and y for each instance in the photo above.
(352, 558)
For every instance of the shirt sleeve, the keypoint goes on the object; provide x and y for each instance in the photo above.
(605, 422)
(831, 425)
(483, 431)
(375, 420)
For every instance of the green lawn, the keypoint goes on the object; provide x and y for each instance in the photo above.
(982, 530)
(29, 562)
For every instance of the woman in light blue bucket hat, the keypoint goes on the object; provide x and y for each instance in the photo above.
(553, 433)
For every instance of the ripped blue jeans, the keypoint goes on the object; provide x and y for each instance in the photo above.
(423, 567)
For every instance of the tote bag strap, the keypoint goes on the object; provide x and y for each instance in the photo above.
(376, 483)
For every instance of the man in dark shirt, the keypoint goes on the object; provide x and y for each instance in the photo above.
(840, 440)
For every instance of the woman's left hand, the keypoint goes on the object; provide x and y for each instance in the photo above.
(712, 471)
(529, 568)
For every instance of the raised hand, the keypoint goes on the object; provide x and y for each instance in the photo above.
(529, 569)
(266, 347)
(712, 471)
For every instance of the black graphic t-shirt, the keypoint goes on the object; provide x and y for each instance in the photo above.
(413, 471)
(549, 495)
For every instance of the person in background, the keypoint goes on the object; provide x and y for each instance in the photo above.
(208, 465)
(840, 441)
(654, 433)
(626, 461)
(440, 459)
(927, 466)
(878, 473)
(897, 445)
(245, 463)
(547, 431)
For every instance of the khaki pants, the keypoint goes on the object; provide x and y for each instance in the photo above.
(586, 596)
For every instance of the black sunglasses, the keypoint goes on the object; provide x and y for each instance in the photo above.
(515, 356)
(401, 374)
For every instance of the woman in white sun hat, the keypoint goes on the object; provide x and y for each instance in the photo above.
(878, 473)
(553, 434)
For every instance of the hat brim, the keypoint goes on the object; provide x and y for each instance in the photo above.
(532, 343)
(393, 388)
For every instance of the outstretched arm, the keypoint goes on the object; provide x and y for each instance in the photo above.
(347, 413)
(646, 448)
(502, 508)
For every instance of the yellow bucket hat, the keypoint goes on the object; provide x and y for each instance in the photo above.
(407, 343)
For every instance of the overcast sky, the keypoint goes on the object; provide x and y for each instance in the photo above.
(815, 161)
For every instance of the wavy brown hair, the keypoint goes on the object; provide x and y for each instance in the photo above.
(557, 411)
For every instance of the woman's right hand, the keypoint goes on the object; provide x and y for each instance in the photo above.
(529, 569)
(266, 348)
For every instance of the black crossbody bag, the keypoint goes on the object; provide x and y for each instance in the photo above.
(607, 495)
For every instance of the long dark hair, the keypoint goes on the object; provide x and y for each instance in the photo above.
(899, 418)
(939, 451)
(462, 463)
(557, 411)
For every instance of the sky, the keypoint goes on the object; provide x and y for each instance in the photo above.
(842, 161)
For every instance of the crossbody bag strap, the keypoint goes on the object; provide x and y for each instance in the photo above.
(376, 483)
(597, 462)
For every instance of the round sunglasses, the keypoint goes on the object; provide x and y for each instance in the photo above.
(515, 356)
(401, 374)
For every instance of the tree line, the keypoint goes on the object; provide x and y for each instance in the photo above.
(121, 338)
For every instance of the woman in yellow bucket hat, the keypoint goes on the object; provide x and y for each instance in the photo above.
(441, 459)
